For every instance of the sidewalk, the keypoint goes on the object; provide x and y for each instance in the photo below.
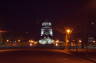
(89, 54)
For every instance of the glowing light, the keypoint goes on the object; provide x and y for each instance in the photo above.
(46, 24)
(31, 44)
(42, 42)
(19, 40)
(35, 43)
(68, 31)
(46, 41)
(80, 41)
(94, 41)
(56, 44)
(7, 40)
(51, 33)
(42, 32)
(57, 41)
(31, 41)
(50, 41)
(67, 41)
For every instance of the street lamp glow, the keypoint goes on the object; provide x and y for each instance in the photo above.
(56, 44)
(19, 40)
(94, 41)
(57, 41)
(31, 41)
(80, 41)
(68, 35)
(67, 41)
(7, 40)
(31, 44)
(68, 31)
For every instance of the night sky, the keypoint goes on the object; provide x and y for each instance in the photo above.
(27, 15)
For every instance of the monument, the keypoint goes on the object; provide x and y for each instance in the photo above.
(46, 33)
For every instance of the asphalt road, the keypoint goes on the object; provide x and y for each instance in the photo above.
(38, 56)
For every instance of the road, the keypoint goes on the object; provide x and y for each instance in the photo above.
(38, 56)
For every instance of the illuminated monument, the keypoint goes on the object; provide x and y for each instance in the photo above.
(46, 33)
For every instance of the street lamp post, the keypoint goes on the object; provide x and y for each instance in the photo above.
(67, 38)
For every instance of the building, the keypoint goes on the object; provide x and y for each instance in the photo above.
(46, 33)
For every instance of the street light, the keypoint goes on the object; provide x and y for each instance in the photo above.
(67, 38)
(68, 31)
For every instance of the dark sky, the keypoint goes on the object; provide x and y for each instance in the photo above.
(27, 15)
